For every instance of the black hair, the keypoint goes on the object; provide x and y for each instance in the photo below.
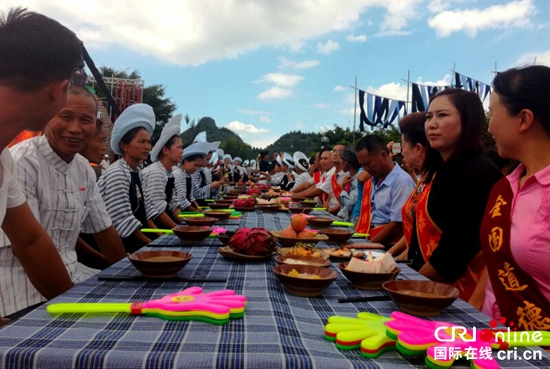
(526, 88)
(373, 144)
(349, 156)
(130, 135)
(193, 157)
(322, 151)
(169, 144)
(36, 51)
(472, 119)
(413, 131)
(312, 160)
(263, 153)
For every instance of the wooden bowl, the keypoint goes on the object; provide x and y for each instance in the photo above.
(422, 298)
(160, 263)
(337, 236)
(225, 237)
(304, 286)
(218, 214)
(368, 281)
(308, 260)
(219, 205)
(299, 209)
(298, 199)
(288, 242)
(192, 234)
(203, 221)
(320, 222)
(308, 204)
(269, 208)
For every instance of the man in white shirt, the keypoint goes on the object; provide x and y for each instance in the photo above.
(29, 98)
(63, 195)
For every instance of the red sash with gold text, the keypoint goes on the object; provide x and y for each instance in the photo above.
(429, 234)
(363, 223)
(519, 300)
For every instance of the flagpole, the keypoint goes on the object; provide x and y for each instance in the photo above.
(355, 109)
(408, 84)
(453, 75)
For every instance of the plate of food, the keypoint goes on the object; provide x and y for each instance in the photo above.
(308, 237)
(302, 260)
(228, 253)
(304, 249)
(343, 253)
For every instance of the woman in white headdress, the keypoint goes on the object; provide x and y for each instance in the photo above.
(239, 172)
(253, 167)
(120, 185)
(301, 165)
(192, 156)
(158, 181)
(286, 162)
(204, 187)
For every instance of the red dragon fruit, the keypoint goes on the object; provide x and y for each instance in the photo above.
(259, 242)
(253, 190)
(244, 203)
(238, 241)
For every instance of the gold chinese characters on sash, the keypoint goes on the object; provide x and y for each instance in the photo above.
(518, 299)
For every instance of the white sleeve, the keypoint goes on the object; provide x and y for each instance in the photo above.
(15, 194)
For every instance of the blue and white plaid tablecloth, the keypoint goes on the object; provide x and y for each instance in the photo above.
(278, 330)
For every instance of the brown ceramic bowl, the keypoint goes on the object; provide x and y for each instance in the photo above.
(231, 196)
(219, 205)
(192, 234)
(299, 209)
(288, 242)
(305, 286)
(269, 208)
(160, 263)
(320, 222)
(308, 260)
(202, 221)
(423, 298)
(337, 236)
(218, 214)
(225, 237)
(297, 199)
(308, 204)
(368, 281)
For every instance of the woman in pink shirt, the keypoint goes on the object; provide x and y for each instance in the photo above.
(515, 233)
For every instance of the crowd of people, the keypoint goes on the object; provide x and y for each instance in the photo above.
(448, 209)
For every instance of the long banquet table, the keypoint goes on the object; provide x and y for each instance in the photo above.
(278, 330)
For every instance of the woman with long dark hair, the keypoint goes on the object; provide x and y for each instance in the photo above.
(447, 247)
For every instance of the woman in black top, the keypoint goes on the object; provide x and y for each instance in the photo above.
(459, 191)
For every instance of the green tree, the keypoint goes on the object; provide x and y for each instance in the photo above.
(236, 147)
